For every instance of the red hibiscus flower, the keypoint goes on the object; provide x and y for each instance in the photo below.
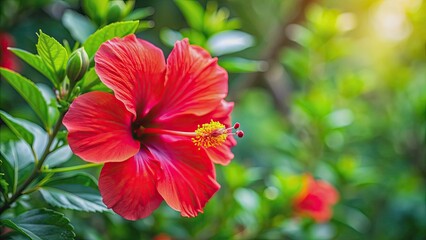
(161, 131)
(315, 199)
(7, 58)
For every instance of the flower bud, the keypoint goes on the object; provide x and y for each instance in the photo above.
(77, 65)
(115, 10)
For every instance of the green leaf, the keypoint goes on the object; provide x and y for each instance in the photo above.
(145, 24)
(59, 156)
(41, 224)
(78, 25)
(16, 127)
(17, 156)
(242, 65)
(118, 29)
(96, 10)
(50, 99)
(53, 54)
(36, 62)
(78, 192)
(169, 36)
(195, 37)
(29, 91)
(140, 13)
(129, 5)
(193, 13)
(229, 42)
(5, 178)
(40, 137)
(248, 199)
(89, 79)
(91, 82)
(4, 186)
(100, 87)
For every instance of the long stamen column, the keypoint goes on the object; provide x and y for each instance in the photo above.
(207, 135)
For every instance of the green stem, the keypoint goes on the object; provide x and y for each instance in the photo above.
(73, 168)
(39, 184)
(6, 198)
(37, 168)
(34, 155)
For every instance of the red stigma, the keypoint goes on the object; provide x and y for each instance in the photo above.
(240, 133)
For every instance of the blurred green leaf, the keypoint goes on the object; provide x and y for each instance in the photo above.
(340, 118)
(53, 54)
(354, 218)
(194, 36)
(289, 184)
(115, 11)
(4, 186)
(7, 176)
(236, 176)
(119, 29)
(36, 62)
(297, 62)
(242, 65)
(41, 224)
(193, 13)
(129, 5)
(96, 10)
(229, 42)
(169, 36)
(140, 13)
(248, 199)
(217, 20)
(16, 127)
(29, 91)
(79, 26)
(78, 192)
(143, 25)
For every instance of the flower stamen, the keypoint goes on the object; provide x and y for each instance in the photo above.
(207, 135)
(214, 134)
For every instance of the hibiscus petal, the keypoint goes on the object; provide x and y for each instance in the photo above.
(188, 180)
(129, 187)
(315, 207)
(195, 83)
(326, 190)
(189, 123)
(134, 69)
(222, 154)
(100, 128)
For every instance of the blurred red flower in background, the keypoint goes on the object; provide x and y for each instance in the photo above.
(7, 58)
(315, 199)
(161, 131)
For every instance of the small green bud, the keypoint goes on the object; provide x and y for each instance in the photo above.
(115, 10)
(77, 65)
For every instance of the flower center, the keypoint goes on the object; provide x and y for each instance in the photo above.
(211, 134)
(207, 135)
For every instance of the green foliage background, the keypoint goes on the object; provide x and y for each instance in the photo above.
(338, 89)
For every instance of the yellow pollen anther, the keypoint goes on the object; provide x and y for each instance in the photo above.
(211, 134)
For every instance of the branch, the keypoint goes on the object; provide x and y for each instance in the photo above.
(275, 78)
(37, 168)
